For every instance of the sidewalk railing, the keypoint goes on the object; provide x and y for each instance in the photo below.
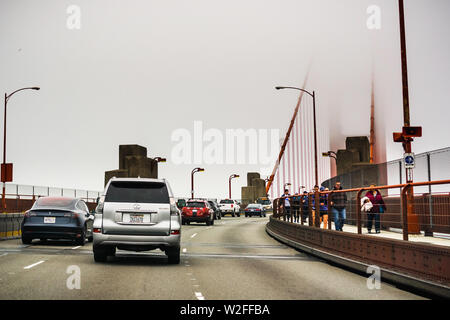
(407, 211)
(20, 198)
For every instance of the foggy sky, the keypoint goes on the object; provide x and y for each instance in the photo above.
(138, 70)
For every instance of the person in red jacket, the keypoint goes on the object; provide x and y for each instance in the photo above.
(378, 207)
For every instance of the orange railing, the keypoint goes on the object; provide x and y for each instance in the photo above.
(407, 211)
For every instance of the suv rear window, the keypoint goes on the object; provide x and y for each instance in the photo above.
(226, 201)
(195, 204)
(137, 192)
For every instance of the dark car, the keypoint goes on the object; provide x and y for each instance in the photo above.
(215, 207)
(197, 211)
(255, 209)
(58, 218)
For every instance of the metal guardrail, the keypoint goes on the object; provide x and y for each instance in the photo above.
(423, 266)
(10, 225)
(409, 221)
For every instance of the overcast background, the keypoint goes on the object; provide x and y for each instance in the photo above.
(138, 70)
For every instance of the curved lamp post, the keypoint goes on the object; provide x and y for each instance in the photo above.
(4, 180)
(313, 95)
(192, 180)
(229, 182)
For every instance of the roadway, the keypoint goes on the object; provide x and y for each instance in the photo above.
(233, 259)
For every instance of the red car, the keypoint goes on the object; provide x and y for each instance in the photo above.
(197, 211)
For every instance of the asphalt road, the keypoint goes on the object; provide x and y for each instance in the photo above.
(234, 259)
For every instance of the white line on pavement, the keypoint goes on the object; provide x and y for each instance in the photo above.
(4, 254)
(194, 235)
(184, 249)
(34, 264)
(76, 247)
(199, 296)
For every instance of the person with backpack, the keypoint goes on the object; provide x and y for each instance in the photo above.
(338, 203)
(374, 206)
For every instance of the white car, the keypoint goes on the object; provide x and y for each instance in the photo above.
(229, 206)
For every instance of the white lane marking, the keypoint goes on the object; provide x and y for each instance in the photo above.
(199, 296)
(2, 255)
(184, 249)
(194, 235)
(193, 279)
(34, 264)
(76, 247)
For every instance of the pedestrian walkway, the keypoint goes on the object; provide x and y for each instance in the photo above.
(438, 239)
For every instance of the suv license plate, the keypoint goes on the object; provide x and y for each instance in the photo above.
(136, 218)
(49, 219)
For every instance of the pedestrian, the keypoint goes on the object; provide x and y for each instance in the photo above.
(313, 211)
(286, 205)
(323, 207)
(305, 205)
(375, 207)
(338, 203)
(296, 199)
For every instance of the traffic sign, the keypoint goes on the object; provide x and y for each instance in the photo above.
(7, 172)
(409, 160)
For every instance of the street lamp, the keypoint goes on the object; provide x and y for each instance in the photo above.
(4, 166)
(192, 180)
(313, 95)
(330, 154)
(229, 182)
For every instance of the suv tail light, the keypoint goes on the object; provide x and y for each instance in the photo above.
(175, 232)
(232, 206)
(97, 230)
(99, 208)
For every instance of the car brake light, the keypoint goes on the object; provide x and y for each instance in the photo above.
(97, 230)
(232, 206)
(99, 208)
(175, 232)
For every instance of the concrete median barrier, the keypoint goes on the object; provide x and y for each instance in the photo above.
(10, 225)
(2, 226)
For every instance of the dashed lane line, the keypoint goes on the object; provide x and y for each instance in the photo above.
(34, 264)
(194, 235)
(199, 296)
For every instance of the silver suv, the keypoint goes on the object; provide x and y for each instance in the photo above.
(137, 214)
